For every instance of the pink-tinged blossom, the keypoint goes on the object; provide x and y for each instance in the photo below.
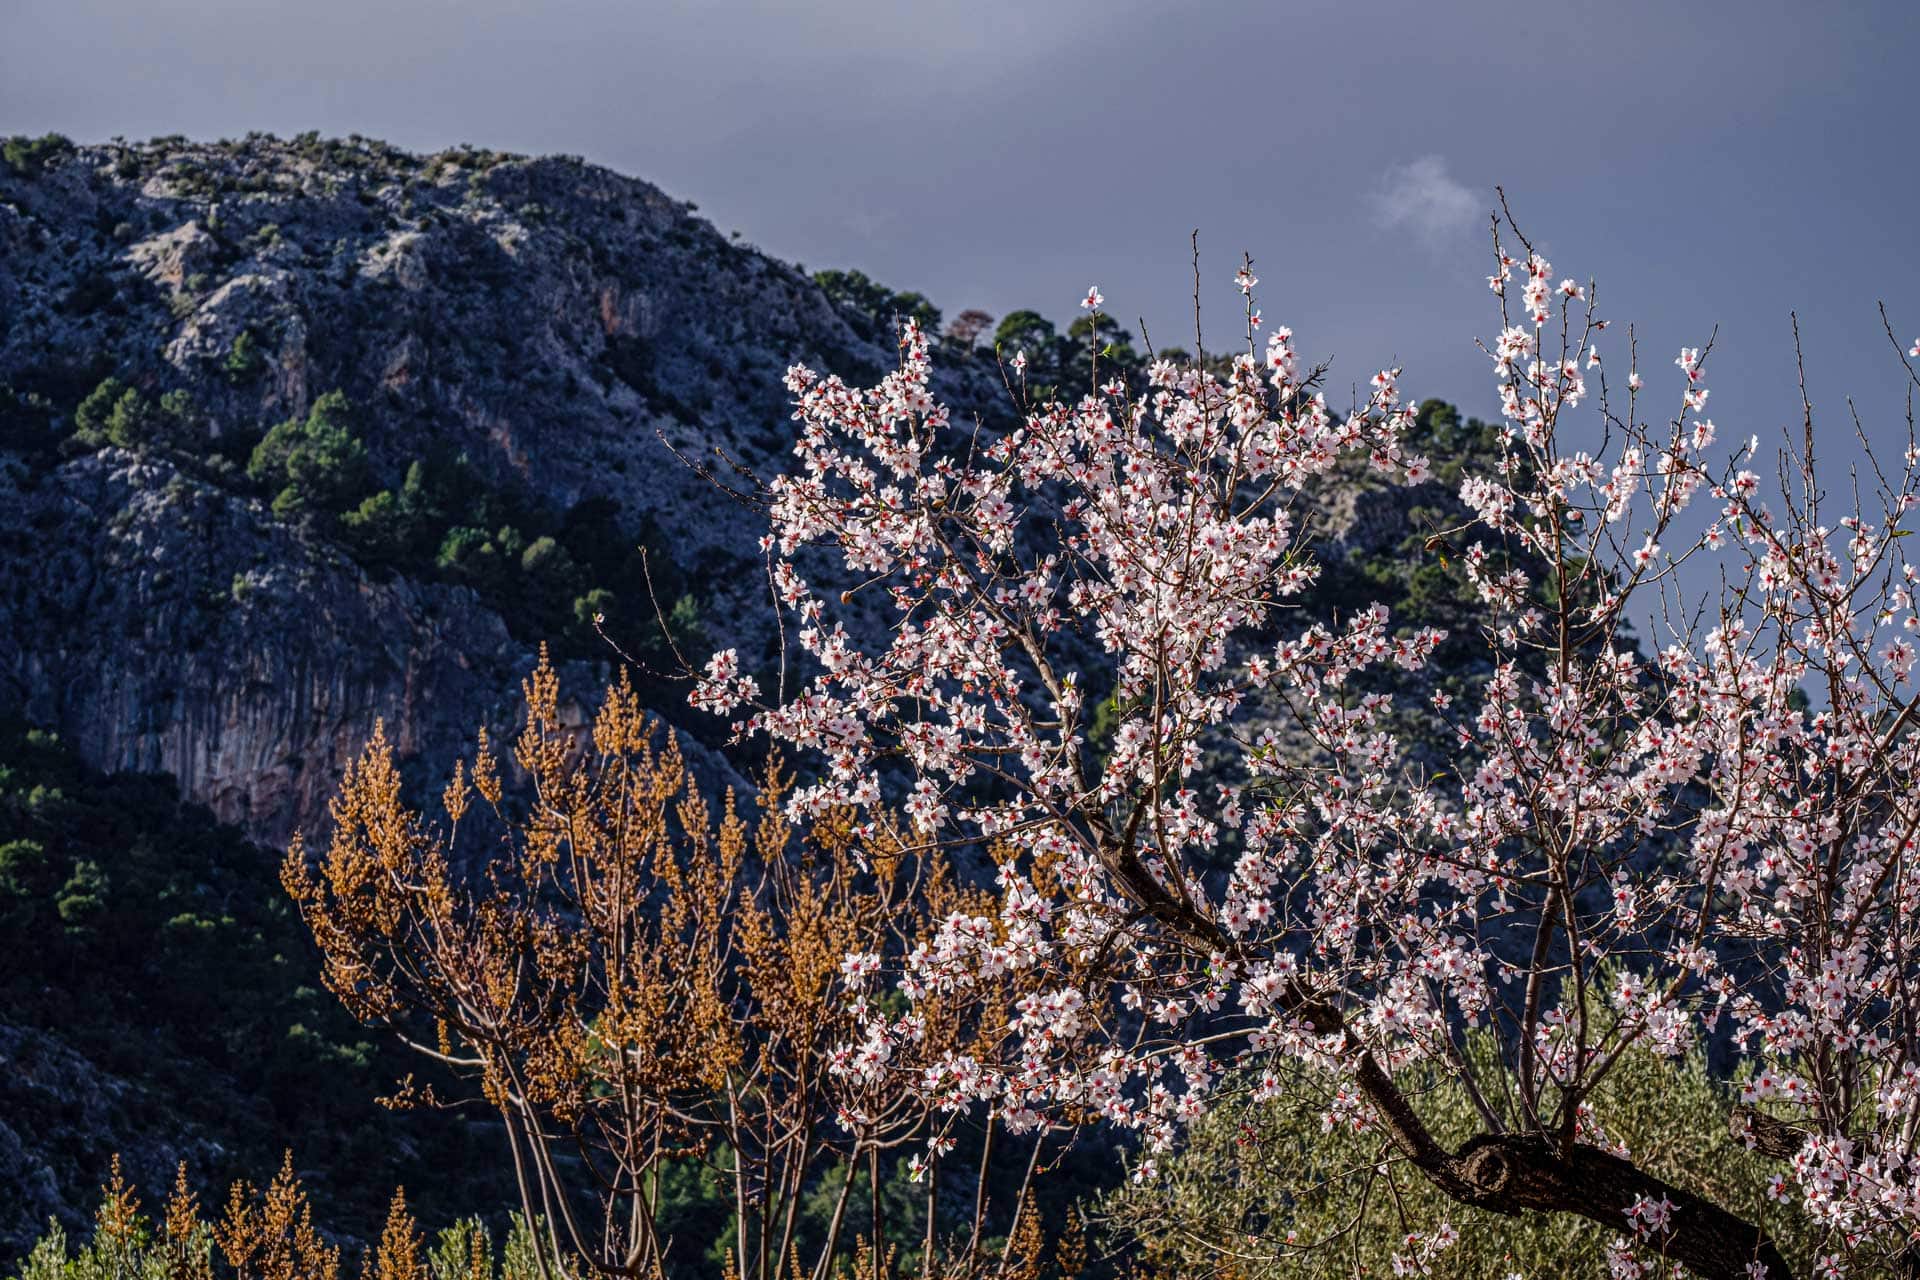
(723, 687)
(1257, 866)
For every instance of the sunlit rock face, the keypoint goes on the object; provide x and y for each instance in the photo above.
(572, 332)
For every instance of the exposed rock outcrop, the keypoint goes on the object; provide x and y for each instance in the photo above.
(565, 328)
(168, 626)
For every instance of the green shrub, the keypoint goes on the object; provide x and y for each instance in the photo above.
(545, 556)
(316, 465)
(83, 898)
(245, 361)
(134, 421)
(90, 417)
(872, 305)
(1033, 334)
(119, 414)
(24, 872)
(480, 558)
(29, 157)
(1028, 330)
(1262, 1190)
(591, 611)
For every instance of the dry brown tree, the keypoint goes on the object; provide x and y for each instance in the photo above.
(630, 982)
(268, 1234)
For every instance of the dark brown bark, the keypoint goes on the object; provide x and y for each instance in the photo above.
(1503, 1173)
(1518, 1173)
(1769, 1135)
(1512, 1174)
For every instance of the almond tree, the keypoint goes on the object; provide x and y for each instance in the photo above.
(1704, 836)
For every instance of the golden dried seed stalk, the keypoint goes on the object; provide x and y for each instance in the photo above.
(623, 975)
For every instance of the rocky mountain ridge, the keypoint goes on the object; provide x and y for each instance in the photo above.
(562, 330)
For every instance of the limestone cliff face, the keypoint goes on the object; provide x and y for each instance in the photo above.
(567, 329)
(163, 624)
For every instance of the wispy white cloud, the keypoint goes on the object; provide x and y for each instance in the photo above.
(1421, 197)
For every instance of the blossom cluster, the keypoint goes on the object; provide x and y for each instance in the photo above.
(1621, 838)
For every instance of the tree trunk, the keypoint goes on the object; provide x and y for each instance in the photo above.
(1505, 1173)
(1512, 1174)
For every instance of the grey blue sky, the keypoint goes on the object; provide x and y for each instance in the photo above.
(1709, 162)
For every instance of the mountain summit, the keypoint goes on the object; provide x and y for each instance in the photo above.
(304, 434)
